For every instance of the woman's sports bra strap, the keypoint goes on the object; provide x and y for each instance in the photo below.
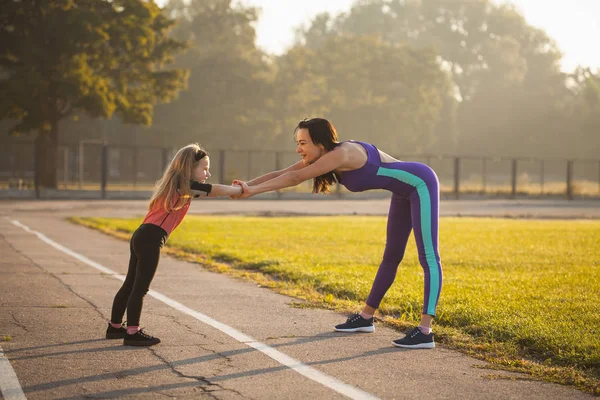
(373, 156)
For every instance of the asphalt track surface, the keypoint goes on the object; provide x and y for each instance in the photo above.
(222, 338)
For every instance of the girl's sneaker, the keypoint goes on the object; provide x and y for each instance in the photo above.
(415, 339)
(356, 323)
(140, 338)
(115, 333)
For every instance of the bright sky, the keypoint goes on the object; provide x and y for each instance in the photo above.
(573, 24)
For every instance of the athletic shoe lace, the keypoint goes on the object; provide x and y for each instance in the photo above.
(354, 318)
(144, 334)
(414, 332)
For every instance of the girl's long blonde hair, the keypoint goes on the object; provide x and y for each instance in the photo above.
(175, 182)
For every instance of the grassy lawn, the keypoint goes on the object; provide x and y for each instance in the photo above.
(522, 294)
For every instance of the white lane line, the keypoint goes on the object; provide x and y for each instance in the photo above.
(284, 359)
(9, 383)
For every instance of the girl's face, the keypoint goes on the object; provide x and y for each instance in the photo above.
(306, 148)
(200, 172)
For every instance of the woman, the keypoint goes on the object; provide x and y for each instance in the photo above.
(361, 166)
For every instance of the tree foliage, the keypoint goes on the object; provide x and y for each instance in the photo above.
(229, 86)
(371, 90)
(437, 76)
(61, 57)
(508, 84)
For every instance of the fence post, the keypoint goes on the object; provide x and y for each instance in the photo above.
(135, 166)
(222, 167)
(513, 174)
(36, 169)
(249, 168)
(541, 176)
(570, 179)
(277, 168)
(456, 176)
(483, 175)
(104, 169)
(13, 168)
(80, 165)
(165, 155)
(66, 167)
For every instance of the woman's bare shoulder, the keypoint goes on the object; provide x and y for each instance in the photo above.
(355, 155)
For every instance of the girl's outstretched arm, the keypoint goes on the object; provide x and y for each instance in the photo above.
(225, 190)
(199, 189)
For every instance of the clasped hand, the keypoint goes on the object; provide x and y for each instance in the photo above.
(246, 192)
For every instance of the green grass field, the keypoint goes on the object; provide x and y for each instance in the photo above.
(522, 294)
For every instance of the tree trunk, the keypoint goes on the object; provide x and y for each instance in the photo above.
(46, 152)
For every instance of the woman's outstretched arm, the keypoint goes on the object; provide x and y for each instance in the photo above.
(275, 174)
(327, 163)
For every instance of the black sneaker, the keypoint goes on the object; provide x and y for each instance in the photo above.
(115, 333)
(140, 339)
(415, 339)
(356, 323)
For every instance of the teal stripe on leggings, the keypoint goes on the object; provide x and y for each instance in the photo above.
(425, 201)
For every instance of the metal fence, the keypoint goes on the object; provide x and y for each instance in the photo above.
(95, 166)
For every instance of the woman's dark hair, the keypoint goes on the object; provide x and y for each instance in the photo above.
(321, 132)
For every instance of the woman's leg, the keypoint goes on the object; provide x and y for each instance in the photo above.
(399, 226)
(425, 215)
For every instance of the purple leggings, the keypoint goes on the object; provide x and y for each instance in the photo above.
(414, 205)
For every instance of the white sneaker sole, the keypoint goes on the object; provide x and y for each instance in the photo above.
(361, 329)
(416, 346)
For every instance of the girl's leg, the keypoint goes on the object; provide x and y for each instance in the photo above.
(399, 226)
(122, 296)
(148, 255)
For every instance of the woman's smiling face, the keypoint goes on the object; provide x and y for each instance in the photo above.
(306, 148)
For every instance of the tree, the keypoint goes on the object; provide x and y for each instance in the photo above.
(584, 113)
(226, 103)
(389, 94)
(499, 64)
(60, 57)
(466, 34)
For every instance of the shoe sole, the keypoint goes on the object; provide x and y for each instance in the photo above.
(137, 343)
(416, 346)
(367, 329)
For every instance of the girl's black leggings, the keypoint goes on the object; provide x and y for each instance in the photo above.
(145, 246)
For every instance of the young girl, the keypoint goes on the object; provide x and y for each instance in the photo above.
(414, 206)
(183, 180)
